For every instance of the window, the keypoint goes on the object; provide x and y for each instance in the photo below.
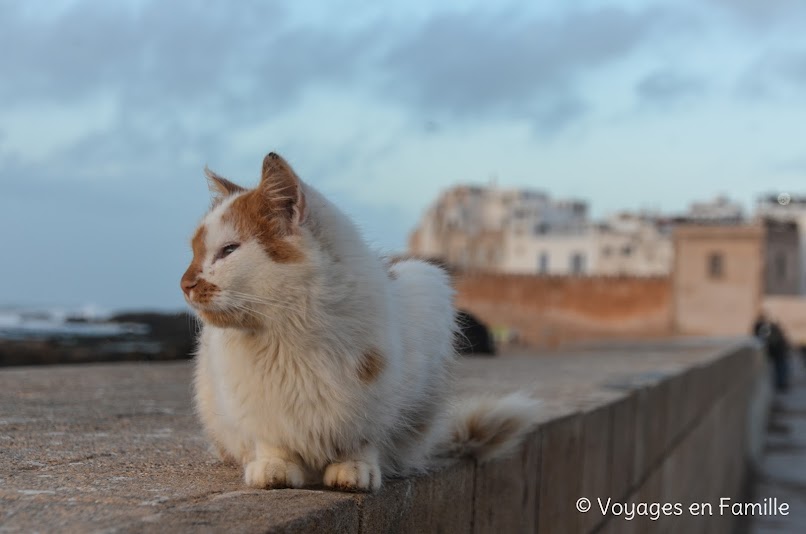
(543, 263)
(716, 268)
(607, 251)
(626, 250)
(542, 228)
(577, 263)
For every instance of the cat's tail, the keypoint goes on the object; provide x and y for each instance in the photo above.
(489, 427)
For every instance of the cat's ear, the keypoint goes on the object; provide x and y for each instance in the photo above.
(282, 188)
(220, 187)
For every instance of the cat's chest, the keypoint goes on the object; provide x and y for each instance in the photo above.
(267, 383)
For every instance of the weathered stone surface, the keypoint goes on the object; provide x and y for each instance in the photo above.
(561, 472)
(506, 492)
(622, 449)
(388, 511)
(116, 448)
(675, 407)
(597, 435)
(274, 511)
(782, 472)
(659, 397)
(441, 503)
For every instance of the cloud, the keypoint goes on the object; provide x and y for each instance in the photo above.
(774, 74)
(476, 64)
(791, 67)
(764, 14)
(173, 56)
(163, 80)
(180, 75)
(665, 86)
(195, 67)
(555, 114)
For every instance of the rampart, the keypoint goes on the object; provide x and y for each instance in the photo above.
(115, 448)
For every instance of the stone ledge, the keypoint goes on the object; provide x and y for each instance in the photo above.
(116, 447)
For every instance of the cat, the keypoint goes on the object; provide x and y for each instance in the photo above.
(319, 361)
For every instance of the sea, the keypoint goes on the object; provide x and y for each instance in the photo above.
(20, 323)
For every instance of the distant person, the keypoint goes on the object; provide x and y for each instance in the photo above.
(777, 347)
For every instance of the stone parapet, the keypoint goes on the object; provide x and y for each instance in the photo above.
(115, 447)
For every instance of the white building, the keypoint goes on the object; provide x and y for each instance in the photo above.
(469, 225)
(625, 244)
(552, 253)
(719, 210)
(526, 232)
(633, 244)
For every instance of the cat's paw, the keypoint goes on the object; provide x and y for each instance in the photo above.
(353, 475)
(273, 473)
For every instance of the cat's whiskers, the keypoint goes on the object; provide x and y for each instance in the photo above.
(267, 300)
(250, 311)
(253, 313)
(255, 297)
(272, 305)
(234, 305)
(235, 299)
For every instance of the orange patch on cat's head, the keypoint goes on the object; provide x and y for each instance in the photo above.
(253, 217)
(200, 292)
(220, 187)
(282, 188)
(272, 213)
(195, 288)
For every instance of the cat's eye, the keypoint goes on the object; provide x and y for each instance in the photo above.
(226, 250)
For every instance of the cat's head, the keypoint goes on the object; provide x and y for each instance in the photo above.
(249, 253)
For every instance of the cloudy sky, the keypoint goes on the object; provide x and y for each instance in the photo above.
(110, 110)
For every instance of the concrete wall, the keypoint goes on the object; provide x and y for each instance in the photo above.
(688, 437)
(717, 305)
(117, 448)
(550, 311)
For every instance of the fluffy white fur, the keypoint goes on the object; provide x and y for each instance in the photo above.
(285, 399)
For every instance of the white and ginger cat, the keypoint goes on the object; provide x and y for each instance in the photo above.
(317, 360)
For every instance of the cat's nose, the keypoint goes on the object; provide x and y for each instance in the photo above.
(187, 285)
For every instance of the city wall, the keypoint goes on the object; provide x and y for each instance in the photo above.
(549, 311)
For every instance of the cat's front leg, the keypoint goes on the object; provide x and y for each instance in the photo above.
(273, 468)
(359, 472)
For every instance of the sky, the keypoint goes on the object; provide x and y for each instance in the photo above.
(109, 112)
